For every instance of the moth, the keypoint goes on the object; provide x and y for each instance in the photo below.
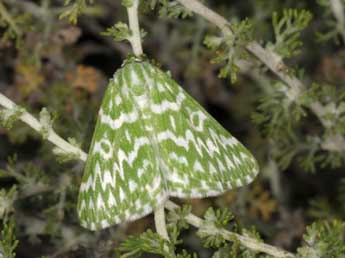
(151, 141)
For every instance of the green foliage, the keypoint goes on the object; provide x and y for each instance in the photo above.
(214, 220)
(248, 253)
(333, 118)
(119, 32)
(234, 250)
(8, 242)
(74, 9)
(334, 114)
(149, 242)
(278, 115)
(31, 180)
(287, 31)
(177, 222)
(184, 254)
(230, 48)
(334, 23)
(171, 9)
(281, 113)
(46, 123)
(324, 239)
(220, 217)
(7, 199)
(177, 217)
(212, 232)
(9, 116)
(225, 251)
(13, 25)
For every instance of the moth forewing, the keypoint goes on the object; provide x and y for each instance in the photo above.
(153, 140)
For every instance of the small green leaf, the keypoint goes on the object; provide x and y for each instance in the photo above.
(220, 217)
(7, 199)
(287, 30)
(230, 48)
(173, 9)
(9, 116)
(177, 222)
(127, 3)
(120, 31)
(8, 242)
(46, 123)
(210, 236)
(323, 239)
(185, 254)
(147, 242)
(213, 42)
(177, 217)
(209, 230)
(74, 10)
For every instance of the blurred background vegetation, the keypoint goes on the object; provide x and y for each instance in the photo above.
(297, 202)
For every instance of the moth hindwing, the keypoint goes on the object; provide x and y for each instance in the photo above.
(152, 140)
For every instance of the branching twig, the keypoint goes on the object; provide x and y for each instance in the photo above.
(246, 241)
(37, 126)
(274, 62)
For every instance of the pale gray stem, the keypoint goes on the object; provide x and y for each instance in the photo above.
(135, 39)
(160, 222)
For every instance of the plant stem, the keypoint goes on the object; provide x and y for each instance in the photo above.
(160, 222)
(36, 125)
(248, 242)
(135, 39)
(274, 62)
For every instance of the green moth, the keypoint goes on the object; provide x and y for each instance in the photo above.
(152, 140)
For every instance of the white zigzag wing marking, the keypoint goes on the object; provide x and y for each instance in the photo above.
(122, 179)
(121, 120)
(216, 161)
